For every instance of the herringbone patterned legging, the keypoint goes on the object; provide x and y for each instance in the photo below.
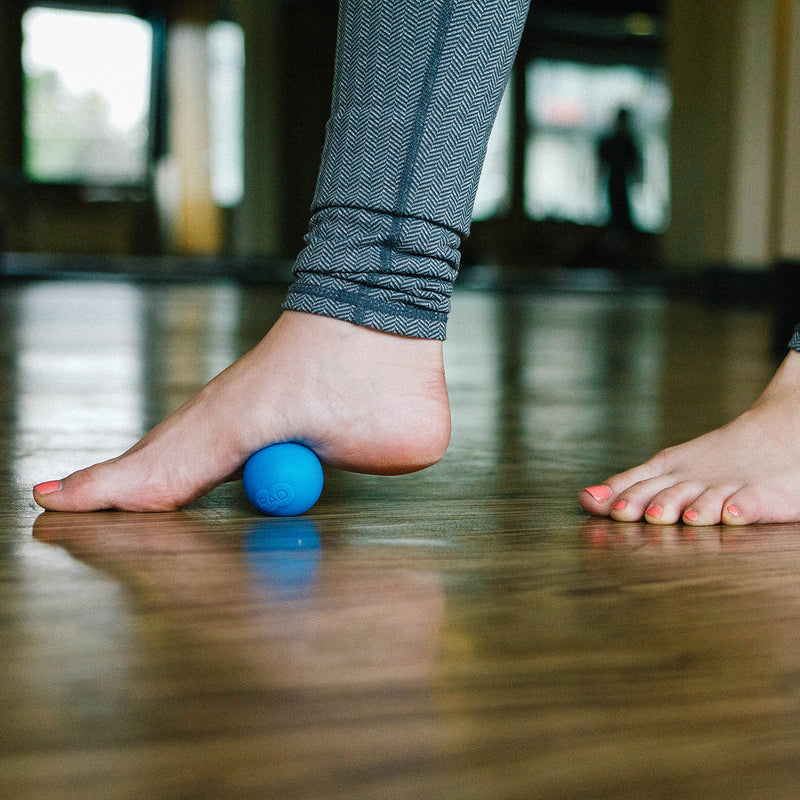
(417, 85)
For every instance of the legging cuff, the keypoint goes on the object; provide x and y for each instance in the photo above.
(363, 306)
(377, 269)
(794, 343)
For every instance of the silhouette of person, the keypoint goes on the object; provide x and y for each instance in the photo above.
(620, 162)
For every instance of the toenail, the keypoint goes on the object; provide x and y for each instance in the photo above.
(48, 487)
(733, 511)
(691, 514)
(600, 493)
(619, 505)
(654, 511)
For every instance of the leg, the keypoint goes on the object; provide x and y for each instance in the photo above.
(416, 90)
(745, 472)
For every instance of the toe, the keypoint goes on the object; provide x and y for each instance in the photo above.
(596, 499)
(749, 505)
(604, 499)
(657, 514)
(633, 503)
(114, 484)
(79, 491)
(770, 502)
(706, 508)
(733, 512)
(667, 507)
(698, 518)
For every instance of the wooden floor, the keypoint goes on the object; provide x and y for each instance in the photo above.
(466, 632)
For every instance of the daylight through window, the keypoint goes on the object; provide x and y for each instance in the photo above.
(87, 96)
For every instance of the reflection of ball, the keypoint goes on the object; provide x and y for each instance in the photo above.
(285, 555)
(283, 480)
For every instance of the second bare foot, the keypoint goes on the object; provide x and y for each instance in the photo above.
(745, 472)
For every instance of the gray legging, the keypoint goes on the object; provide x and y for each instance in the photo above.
(416, 89)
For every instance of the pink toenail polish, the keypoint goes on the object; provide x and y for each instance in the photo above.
(691, 514)
(600, 493)
(619, 505)
(654, 511)
(733, 511)
(48, 487)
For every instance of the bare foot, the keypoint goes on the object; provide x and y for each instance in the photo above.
(745, 472)
(363, 400)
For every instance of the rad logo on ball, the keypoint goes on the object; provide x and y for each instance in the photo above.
(277, 496)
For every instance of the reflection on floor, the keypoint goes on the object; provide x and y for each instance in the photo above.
(465, 632)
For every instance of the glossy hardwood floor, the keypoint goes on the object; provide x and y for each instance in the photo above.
(466, 632)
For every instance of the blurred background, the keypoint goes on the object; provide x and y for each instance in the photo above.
(182, 138)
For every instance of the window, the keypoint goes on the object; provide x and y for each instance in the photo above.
(87, 96)
(494, 189)
(226, 112)
(570, 107)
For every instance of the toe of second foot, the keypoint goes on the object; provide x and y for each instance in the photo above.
(596, 499)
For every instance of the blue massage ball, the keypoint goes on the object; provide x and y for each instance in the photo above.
(283, 480)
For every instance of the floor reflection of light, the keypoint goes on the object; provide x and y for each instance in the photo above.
(83, 356)
(472, 366)
(586, 367)
(545, 374)
(77, 399)
(70, 643)
(224, 323)
(79, 376)
(93, 360)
